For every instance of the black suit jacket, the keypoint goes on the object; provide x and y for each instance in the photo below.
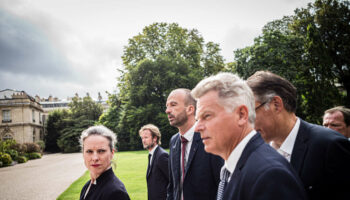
(261, 173)
(108, 187)
(158, 175)
(321, 157)
(202, 173)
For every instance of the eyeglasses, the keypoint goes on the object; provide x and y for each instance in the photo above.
(261, 105)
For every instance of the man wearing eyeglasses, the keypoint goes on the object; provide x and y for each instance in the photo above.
(320, 156)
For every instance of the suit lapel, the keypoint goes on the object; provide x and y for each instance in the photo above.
(194, 147)
(300, 148)
(152, 161)
(176, 151)
(253, 143)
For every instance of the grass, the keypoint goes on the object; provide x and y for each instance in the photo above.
(131, 170)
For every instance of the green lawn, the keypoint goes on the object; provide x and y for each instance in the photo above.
(131, 170)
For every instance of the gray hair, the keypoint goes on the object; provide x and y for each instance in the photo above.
(99, 130)
(232, 91)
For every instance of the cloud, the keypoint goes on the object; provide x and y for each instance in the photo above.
(48, 57)
(26, 50)
(236, 38)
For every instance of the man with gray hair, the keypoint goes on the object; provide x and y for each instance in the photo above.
(252, 170)
(320, 156)
(338, 119)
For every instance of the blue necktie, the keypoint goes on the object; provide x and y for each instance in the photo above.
(223, 181)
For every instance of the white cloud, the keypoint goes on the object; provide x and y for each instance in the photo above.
(61, 47)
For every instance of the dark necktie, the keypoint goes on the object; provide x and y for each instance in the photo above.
(223, 182)
(183, 151)
(149, 163)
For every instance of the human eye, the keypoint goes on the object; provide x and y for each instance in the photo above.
(206, 116)
(101, 151)
(88, 151)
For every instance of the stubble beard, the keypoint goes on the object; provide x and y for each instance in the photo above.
(180, 120)
(150, 146)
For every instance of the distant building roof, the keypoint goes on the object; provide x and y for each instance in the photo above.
(10, 94)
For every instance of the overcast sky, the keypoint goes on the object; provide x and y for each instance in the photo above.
(60, 47)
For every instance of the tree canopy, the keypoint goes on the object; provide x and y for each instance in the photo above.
(64, 127)
(161, 58)
(305, 49)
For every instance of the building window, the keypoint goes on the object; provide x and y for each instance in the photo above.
(40, 120)
(33, 115)
(6, 116)
(41, 135)
(33, 135)
(7, 137)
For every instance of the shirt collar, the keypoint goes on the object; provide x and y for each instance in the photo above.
(189, 134)
(152, 151)
(231, 162)
(288, 143)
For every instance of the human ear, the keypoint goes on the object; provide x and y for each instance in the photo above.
(190, 109)
(243, 114)
(277, 103)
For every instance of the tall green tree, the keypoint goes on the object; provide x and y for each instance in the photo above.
(161, 58)
(325, 25)
(311, 50)
(64, 127)
(54, 124)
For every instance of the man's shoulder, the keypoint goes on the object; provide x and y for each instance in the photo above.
(161, 151)
(173, 139)
(317, 133)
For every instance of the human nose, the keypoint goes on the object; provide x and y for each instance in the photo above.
(199, 127)
(167, 110)
(95, 156)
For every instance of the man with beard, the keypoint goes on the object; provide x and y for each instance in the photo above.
(194, 173)
(157, 170)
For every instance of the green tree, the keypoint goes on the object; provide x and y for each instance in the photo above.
(311, 50)
(325, 25)
(55, 123)
(280, 50)
(64, 127)
(161, 58)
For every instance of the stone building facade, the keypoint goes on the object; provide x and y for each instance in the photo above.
(21, 117)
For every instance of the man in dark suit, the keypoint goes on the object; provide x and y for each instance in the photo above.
(157, 170)
(194, 174)
(320, 156)
(253, 170)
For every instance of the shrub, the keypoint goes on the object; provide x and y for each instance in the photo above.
(33, 155)
(20, 148)
(13, 153)
(32, 147)
(1, 164)
(6, 144)
(22, 159)
(41, 145)
(6, 159)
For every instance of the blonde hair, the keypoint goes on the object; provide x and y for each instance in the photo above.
(154, 131)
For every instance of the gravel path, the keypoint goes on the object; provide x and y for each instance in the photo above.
(41, 179)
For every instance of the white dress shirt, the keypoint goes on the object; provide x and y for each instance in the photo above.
(231, 162)
(152, 152)
(189, 137)
(286, 148)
